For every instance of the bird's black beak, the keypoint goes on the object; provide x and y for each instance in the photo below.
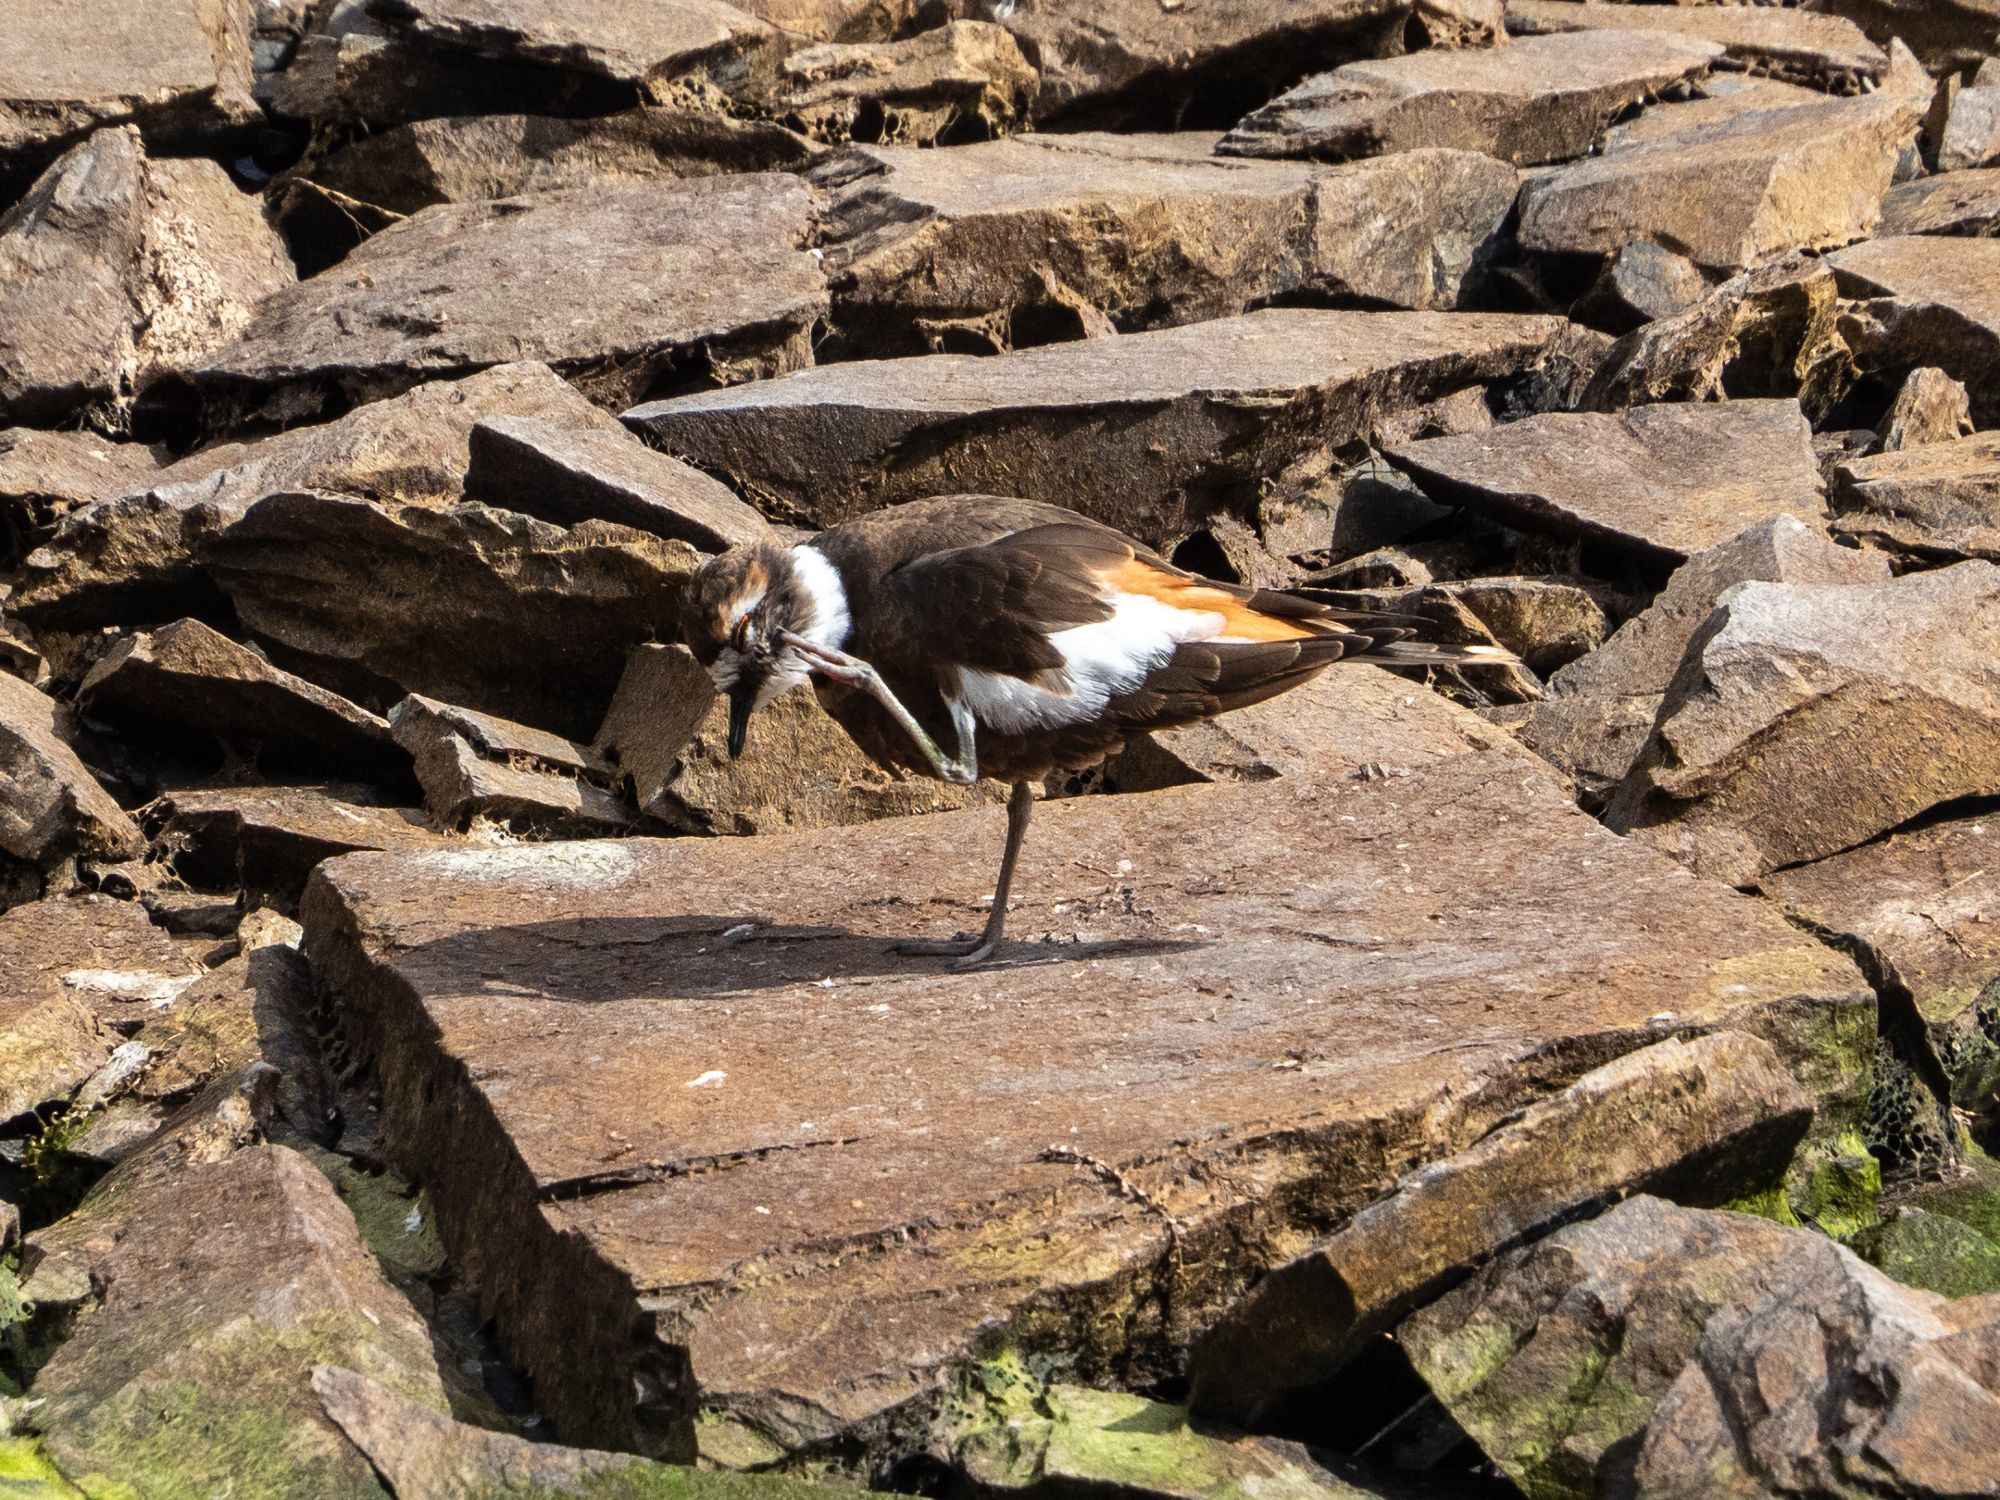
(742, 700)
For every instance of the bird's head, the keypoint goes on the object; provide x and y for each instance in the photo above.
(738, 607)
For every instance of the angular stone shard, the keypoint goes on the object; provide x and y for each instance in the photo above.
(1148, 432)
(623, 287)
(474, 766)
(1811, 718)
(1797, 46)
(1722, 97)
(1732, 195)
(51, 807)
(115, 269)
(1600, 709)
(1944, 33)
(1972, 134)
(265, 841)
(642, 1036)
(477, 606)
(215, 1287)
(1937, 303)
(963, 81)
(1138, 63)
(1939, 500)
(1710, 1120)
(565, 475)
(1931, 407)
(180, 70)
(129, 559)
(1951, 203)
(1640, 284)
(188, 677)
(1543, 99)
(1669, 480)
(46, 475)
(1012, 242)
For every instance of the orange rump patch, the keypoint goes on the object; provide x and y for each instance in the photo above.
(1244, 623)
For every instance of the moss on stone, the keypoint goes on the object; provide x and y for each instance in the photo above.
(1932, 1251)
(1770, 1204)
(394, 1218)
(1840, 1187)
(27, 1474)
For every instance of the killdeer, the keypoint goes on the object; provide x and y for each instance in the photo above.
(1025, 637)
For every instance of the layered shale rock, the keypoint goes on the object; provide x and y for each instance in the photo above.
(46, 475)
(1933, 301)
(129, 558)
(1937, 500)
(963, 81)
(51, 807)
(1026, 240)
(116, 269)
(1543, 99)
(1149, 432)
(1800, 46)
(475, 766)
(1668, 480)
(1810, 718)
(1732, 195)
(1054, 1226)
(623, 287)
(266, 840)
(451, 591)
(1944, 33)
(1954, 203)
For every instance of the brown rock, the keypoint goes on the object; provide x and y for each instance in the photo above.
(1937, 303)
(565, 475)
(1954, 203)
(1711, 1120)
(265, 841)
(1797, 46)
(452, 593)
(1769, 332)
(180, 70)
(473, 158)
(1020, 241)
(1944, 33)
(51, 807)
(1836, 1381)
(1461, 23)
(129, 559)
(1546, 622)
(1668, 480)
(1810, 718)
(1544, 99)
(1640, 284)
(50, 1042)
(656, 43)
(1972, 133)
(188, 677)
(852, 1090)
(217, 1286)
(1920, 902)
(115, 269)
(1733, 195)
(1148, 432)
(1138, 63)
(45, 475)
(667, 732)
(1600, 709)
(474, 766)
(1940, 500)
(1719, 99)
(1930, 408)
(623, 287)
(1553, 1357)
(963, 81)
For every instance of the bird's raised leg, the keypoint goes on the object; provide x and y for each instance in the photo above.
(971, 952)
(856, 673)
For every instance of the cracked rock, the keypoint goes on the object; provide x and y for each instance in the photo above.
(1795, 46)
(474, 766)
(1954, 203)
(1938, 501)
(1931, 407)
(51, 807)
(1936, 301)
(963, 81)
(46, 475)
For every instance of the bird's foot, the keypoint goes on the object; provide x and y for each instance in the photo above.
(970, 953)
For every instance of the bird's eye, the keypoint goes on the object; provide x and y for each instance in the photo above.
(740, 637)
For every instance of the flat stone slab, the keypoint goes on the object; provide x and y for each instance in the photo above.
(1732, 194)
(633, 41)
(1796, 46)
(1007, 242)
(798, 1182)
(1670, 480)
(1148, 432)
(51, 807)
(1949, 203)
(1541, 99)
(1940, 306)
(1936, 500)
(620, 286)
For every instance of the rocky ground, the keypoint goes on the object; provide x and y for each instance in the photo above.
(432, 1068)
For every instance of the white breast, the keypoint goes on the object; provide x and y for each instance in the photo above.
(1100, 661)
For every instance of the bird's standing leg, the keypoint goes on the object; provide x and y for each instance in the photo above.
(971, 952)
(856, 673)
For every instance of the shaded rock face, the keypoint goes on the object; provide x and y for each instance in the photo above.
(1178, 422)
(129, 557)
(1933, 301)
(1937, 500)
(45, 475)
(1955, 203)
(1799, 46)
(405, 940)
(115, 270)
(51, 807)
(1041, 237)
(964, 81)
(1543, 99)
(473, 766)
(623, 287)
(1753, 765)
